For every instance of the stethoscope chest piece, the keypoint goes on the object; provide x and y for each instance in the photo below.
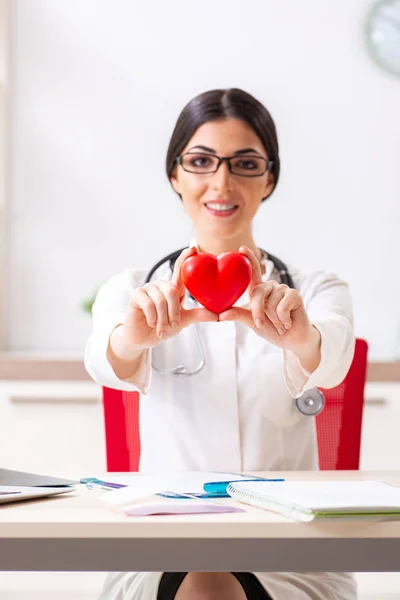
(311, 402)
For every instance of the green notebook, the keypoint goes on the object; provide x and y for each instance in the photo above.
(310, 500)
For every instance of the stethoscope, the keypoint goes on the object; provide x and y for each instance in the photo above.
(310, 403)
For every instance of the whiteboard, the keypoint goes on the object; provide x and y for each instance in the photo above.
(96, 88)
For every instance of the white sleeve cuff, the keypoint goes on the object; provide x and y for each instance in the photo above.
(99, 368)
(337, 351)
(142, 378)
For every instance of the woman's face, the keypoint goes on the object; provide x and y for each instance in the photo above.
(222, 204)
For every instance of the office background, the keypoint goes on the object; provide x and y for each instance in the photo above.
(95, 89)
(87, 105)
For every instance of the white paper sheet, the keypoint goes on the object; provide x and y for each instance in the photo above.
(121, 501)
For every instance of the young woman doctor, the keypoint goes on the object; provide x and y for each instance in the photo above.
(237, 413)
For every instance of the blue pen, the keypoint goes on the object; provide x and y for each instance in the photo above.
(99, 482)
(98, 486)
(197, 495)
(178, 495)
(219, 487)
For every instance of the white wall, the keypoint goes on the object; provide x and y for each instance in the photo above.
(3, 122)
(96, 88)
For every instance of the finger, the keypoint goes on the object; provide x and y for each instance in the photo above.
(176, 275)
(245, 316)
(259, 296)
(256, 278)
(141, 301)
(171, 295)
(161, 306)
(270, 307)
(238, 314)
(290, 302)
(197, 315)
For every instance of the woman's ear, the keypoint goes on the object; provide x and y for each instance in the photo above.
(174, 181)
(269, 186)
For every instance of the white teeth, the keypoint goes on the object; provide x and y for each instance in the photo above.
(220, 207)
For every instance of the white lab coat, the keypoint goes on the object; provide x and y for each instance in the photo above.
(237, 414)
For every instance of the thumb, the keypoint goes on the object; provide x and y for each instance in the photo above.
(177, 275)
(238, 314)
(196, 315)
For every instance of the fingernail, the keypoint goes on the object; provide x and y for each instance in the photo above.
(162, 335)
(174, 325)
(287, 325)
(258, 323)
(280, 330)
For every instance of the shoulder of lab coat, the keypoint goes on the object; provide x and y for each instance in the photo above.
(329, 307)
(109, 310)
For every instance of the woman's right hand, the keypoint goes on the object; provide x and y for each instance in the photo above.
(155, 312)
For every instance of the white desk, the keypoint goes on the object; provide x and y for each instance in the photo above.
(75, 533)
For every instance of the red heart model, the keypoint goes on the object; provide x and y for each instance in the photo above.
(217, 281)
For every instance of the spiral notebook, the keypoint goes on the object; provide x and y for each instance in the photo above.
(310, 500)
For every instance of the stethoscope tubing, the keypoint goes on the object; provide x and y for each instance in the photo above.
(311, 403)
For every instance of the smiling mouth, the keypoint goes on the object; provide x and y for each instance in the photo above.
(221, 208)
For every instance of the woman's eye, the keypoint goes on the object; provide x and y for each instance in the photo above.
(200, 161)
(247, 164)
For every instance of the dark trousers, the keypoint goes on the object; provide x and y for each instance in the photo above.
(253, 589)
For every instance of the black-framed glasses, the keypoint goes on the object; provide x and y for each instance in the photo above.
(246, 165)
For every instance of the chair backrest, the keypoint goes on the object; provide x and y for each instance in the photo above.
(338, 425)
(121, 420)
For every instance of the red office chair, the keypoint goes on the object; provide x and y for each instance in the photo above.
(338, 425)
(121, 420)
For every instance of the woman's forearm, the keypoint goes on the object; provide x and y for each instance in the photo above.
(124, 360)
(309, 353)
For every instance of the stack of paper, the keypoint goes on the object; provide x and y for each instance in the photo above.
(309, 500)
(169, 493)
(128, 502)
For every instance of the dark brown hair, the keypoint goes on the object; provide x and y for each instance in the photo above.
(221, 104)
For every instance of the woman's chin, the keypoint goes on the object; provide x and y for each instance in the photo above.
(223, 232)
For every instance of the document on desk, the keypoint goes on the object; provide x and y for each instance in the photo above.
(130, 502)
(169, 493)
(182, 482)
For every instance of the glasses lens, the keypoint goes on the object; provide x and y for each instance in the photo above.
(199, 163)
(248, 165)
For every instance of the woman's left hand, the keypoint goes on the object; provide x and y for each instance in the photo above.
(277, 314)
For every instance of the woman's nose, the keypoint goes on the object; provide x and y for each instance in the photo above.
(222, 178)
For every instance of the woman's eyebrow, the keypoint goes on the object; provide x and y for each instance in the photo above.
(236, 153)
(246, 150)
(205, 148)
